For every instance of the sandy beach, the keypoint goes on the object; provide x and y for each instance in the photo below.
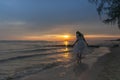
(93, 67)
(111, 69)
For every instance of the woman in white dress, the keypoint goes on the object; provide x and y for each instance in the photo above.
(79, 45)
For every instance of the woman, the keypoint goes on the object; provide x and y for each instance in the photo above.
(79, 45)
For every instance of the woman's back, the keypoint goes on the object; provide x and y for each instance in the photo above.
(81, 41)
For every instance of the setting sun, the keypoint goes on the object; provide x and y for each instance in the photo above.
(66, 36)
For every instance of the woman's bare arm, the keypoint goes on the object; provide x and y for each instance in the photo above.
(75, 42)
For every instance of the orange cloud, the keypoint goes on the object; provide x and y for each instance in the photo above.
(66, 37)
(49, 37)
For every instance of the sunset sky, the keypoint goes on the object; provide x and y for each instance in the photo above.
(51, 20)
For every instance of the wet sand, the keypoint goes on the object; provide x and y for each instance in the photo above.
(89, 69)
(111, 69)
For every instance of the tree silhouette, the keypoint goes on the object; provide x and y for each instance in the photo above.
(109, 9)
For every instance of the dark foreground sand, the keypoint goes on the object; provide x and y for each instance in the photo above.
(111, 69)
(93, 67)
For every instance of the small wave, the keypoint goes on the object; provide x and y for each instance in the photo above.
(29, 50)
(37, 50)
(28, 56)
(33, 70)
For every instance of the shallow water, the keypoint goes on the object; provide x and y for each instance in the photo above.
(22, 58)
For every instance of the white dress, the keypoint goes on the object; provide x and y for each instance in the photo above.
(79, 46)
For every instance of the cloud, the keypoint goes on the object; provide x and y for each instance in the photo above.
(43, 17)
(45, 12)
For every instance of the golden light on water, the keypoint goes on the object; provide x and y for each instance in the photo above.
(66, 43)
(66, 49)
(66, 55)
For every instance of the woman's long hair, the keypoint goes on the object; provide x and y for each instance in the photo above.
(81, 35)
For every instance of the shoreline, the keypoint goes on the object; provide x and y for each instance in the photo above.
(87, 70)
(94, 67)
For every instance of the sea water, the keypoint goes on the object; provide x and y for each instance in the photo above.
(23, 58)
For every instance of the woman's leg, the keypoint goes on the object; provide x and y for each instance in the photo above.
(79, 57)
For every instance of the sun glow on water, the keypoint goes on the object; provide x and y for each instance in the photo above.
(66, 55)
(66, 43)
